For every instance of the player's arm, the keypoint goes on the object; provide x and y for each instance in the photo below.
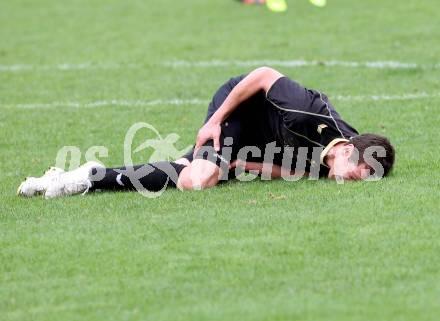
(260, 79)
(265, 169)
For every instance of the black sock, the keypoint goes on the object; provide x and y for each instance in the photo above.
(152, 177)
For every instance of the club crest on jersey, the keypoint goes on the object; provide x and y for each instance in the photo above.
(321, 127)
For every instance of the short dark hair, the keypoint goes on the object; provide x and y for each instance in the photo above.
(364, 141)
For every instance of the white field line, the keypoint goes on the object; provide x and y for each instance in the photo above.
(300, 63)
(196, 101)
(67, 67)
(17, 68)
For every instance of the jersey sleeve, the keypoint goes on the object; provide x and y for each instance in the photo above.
(286, 94)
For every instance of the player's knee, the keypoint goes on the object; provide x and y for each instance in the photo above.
(200, 174)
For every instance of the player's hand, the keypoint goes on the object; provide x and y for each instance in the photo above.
(237, 163)
(209, 131)
(247, 166)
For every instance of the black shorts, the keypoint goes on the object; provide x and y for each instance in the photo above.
(231, 129)
(241, 128)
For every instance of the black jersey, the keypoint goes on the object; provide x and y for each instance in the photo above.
(291, 116)
(305, 118)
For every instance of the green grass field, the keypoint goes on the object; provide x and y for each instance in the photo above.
(310, 250)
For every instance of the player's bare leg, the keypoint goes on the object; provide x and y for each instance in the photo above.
(200, 174)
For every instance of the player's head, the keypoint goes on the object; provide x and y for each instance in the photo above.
(363, 155)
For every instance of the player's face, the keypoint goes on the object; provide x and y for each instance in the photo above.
(344, 168)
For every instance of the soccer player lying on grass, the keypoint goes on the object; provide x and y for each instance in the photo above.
(263, 122)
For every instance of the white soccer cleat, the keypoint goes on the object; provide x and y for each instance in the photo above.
(33, 186)
(74, 182)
